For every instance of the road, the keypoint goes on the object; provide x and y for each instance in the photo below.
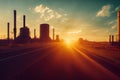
(56, 61)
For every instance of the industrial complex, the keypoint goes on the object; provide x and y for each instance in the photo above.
(44, 32)
(24, 34)
(115, 39)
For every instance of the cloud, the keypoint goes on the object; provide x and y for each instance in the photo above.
(104, 12)
(112, 22)
(46, 13)
(96, 30)
(114, 26)
(76, 32)
(117, 8)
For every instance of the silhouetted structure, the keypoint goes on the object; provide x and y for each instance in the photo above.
(24, 33)
(119, 26)
(34, 33)
(24, 21)
(57, 38)
(110, 39)
(15, 30)
(53, 34)
(44, 32)
(8, 31)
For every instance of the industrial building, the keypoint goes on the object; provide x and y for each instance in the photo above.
(57, 38)
(44, 32)
(24, 33)
(112, 39)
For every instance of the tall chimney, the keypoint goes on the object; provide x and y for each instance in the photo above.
(110, 39)
(24, 21)
(53, 34)
(15, 24)
(8, 31)
(118, 26)
(34, 33)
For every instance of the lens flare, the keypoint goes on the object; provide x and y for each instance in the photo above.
(69, 42)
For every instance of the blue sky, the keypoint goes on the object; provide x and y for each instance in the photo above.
(90, 19)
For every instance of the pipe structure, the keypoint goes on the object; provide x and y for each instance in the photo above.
(15, 30)
(118, 26)
(8, 31)
(24, 20)
(53, 34)
(34, 33)
(110, 39)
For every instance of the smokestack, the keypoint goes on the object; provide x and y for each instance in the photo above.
(24, 21)
(34, 33)
(112, 38)
(118, 26)
(15, 24)
(53, 33)
(8, 31)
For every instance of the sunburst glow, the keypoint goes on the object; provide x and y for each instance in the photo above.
(69, 42)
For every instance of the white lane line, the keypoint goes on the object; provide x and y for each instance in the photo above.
(24, 53)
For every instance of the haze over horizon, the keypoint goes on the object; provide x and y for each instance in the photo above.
(71, 19)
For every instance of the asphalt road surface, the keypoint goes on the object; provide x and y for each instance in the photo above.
(55, 61)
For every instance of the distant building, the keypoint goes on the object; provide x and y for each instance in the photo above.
(44, 32)
(57, 38)
(112, 37)
(24, 33)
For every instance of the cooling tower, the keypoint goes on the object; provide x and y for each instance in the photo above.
(44, 32)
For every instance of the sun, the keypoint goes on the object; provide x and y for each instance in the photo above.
(69, 42)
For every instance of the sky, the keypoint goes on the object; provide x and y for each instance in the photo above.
(92, 20)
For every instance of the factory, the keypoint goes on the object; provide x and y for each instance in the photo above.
(44, 32)
(24, 34)
(115, 39)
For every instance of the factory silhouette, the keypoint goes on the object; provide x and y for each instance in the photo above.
(24, 34)
(115, 39)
